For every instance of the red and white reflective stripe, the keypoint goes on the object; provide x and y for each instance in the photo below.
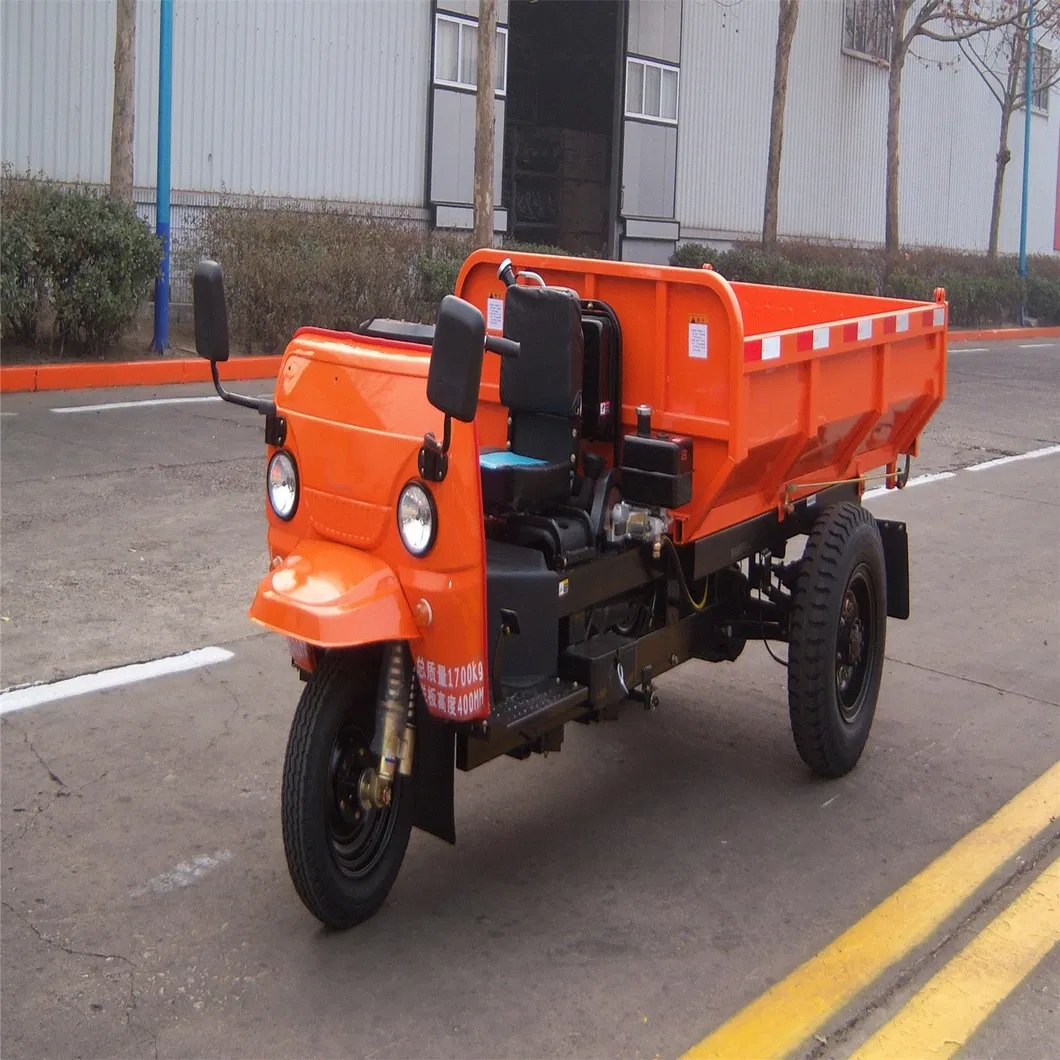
(768, 347)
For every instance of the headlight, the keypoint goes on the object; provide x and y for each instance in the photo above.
(416, 519)
(282, 480)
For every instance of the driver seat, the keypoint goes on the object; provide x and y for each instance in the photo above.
(542, 389)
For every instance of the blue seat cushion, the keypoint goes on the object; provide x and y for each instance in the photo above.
(495, 459)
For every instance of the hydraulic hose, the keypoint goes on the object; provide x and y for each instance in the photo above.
(692, 602)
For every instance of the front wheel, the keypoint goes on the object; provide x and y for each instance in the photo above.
(838, 629)
(343, 858)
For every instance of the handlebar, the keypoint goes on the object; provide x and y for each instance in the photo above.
(503, 347)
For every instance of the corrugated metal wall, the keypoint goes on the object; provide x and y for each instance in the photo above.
(832, 180)
(329, 99)
(308, 100)
(57, 83)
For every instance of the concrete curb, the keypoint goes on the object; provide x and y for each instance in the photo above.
(86, 375)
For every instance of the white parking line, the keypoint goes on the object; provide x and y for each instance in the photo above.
(920, 480)
(968, 349)
(1035, 345)
(146, 403)
(1032, 455)
(938, 476)
(35, 695)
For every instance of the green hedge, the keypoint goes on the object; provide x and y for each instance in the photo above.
(982, 292)
(74, 258)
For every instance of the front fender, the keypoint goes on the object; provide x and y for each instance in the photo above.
(333, 596)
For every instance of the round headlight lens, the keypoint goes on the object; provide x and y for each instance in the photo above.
(283, 484)
(416, 520)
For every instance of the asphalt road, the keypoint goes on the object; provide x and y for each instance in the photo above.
(622, 898)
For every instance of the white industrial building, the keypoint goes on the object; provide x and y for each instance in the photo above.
(623, 126)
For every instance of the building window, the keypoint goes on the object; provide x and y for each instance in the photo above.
(867, 29)
(651, 90)
(1043, 72)
(456, 54)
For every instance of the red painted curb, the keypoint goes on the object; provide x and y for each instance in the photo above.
(1004, 333)
(87, 375)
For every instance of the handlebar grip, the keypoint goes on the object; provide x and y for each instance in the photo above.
(504, 347)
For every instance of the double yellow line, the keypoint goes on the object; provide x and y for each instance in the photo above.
(947, 1011)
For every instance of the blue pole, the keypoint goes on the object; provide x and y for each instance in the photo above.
(1027, 139)
(160, 342)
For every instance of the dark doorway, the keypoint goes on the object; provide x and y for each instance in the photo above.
(564, 58)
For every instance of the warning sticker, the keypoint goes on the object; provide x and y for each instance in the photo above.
(697, 340)
(495, 314)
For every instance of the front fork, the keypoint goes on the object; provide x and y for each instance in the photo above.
(395, 726)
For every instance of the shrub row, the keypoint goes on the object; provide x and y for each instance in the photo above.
(83, 263)
(73, 258)
(290, 266)
(982, 292)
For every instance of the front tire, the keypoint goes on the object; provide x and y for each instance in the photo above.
(343, 859)
(837, 639)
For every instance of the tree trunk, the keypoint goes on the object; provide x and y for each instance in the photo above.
(894, 106)
(1003, 155)
(121, 131)
(789, 15)
(484, 121)
(1012, 96)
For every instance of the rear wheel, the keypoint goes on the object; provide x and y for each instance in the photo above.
(343, 858)
(838, 631)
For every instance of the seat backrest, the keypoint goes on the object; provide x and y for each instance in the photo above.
(542, 387)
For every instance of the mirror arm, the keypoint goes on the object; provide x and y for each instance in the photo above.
(434, 458)
(262, 405)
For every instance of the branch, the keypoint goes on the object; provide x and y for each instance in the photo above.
(955, 37)
(985, 73)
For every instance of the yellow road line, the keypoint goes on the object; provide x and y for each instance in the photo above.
(941, 1018)
(789, 1012)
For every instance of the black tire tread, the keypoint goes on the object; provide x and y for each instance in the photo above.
(307, 866)
(811, 647)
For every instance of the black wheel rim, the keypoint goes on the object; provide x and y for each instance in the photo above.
(855, 650)
(357, 837)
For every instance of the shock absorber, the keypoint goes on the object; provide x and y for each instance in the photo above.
(390, 744)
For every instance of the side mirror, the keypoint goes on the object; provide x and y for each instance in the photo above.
(456, 358)
(211, 316)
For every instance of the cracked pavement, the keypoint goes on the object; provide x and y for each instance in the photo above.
(621, 898)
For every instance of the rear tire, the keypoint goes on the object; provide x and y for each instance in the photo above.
(343, 859)
(837, 639)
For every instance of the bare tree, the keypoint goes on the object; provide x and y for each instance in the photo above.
(1000, 59)
(789, 16)
(121, 130)
(484, 122)
(949, 21)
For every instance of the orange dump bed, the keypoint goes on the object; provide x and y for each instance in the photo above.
(782, 389)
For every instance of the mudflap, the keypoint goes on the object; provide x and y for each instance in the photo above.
(435, 768)
(895, 539)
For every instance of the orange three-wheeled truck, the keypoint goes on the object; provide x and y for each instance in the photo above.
(468, 552)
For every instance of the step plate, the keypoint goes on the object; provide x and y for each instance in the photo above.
(524, 710)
